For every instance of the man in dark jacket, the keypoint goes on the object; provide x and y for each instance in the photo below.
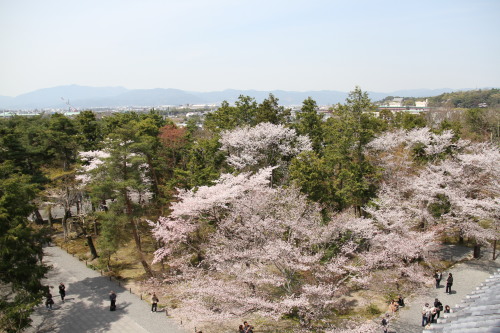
(112, 298)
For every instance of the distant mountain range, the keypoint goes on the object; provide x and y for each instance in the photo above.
(93, 97)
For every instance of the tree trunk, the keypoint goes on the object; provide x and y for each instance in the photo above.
(477, 251)
(108, 263)
(137, 240)
(461, 239)
(357, 210)
(90, 241)
(93, 251)
(65, 227)
(38, 217)
(154, 175)
(49, 215)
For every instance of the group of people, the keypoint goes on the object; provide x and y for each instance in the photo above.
(245, 328)
(154, 302)
(393, 307)
(431, 313)
(49, 301)
(449, 281)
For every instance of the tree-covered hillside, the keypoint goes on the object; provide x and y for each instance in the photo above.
(468, 99)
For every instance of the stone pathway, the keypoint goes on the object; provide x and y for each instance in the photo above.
(87, 304)
(466, 277)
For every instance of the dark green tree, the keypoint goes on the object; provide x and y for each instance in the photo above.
(21, 268)
(228, 117)
(89, 131)
(61, 139)
(310, 123)
(349, 179)
(269, 111)
(124, 178)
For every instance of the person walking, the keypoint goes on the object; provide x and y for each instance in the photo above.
(154, 303)
(437, 276)
(62, 291)
(449, 283)
(112, 298)
(49, 301)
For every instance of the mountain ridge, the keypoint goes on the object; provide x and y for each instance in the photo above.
(88, 97)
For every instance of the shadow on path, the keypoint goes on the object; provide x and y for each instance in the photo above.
(87, 303)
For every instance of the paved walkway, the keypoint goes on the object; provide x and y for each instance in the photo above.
(87, 304)
(466, 277)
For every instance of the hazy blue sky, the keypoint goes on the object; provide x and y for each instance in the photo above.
(207, 45)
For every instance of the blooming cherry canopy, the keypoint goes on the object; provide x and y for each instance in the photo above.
(268, 250)
(118, 165)
(264, 242)
(264, 145)
(464, 183)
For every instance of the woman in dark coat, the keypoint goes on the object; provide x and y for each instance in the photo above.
(62, 291)
(449, 283)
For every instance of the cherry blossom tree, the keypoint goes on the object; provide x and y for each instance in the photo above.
(398, 151)
(266, 144)
(457, 189)
(469, 183)
(241, 246)
(269, 252)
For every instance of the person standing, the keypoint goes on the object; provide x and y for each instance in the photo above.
(449, 283)
(112, 298)
(425, 314)
(62, 291)
(437, 276)
(154, 303)
(433, 313)
(439, 307)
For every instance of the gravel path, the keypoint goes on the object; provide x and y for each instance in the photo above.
(87, 304)
(466, 277)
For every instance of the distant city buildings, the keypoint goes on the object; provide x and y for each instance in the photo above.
(397, 105)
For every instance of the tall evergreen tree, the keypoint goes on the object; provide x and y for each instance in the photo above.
(310, 123)
(21, 269)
